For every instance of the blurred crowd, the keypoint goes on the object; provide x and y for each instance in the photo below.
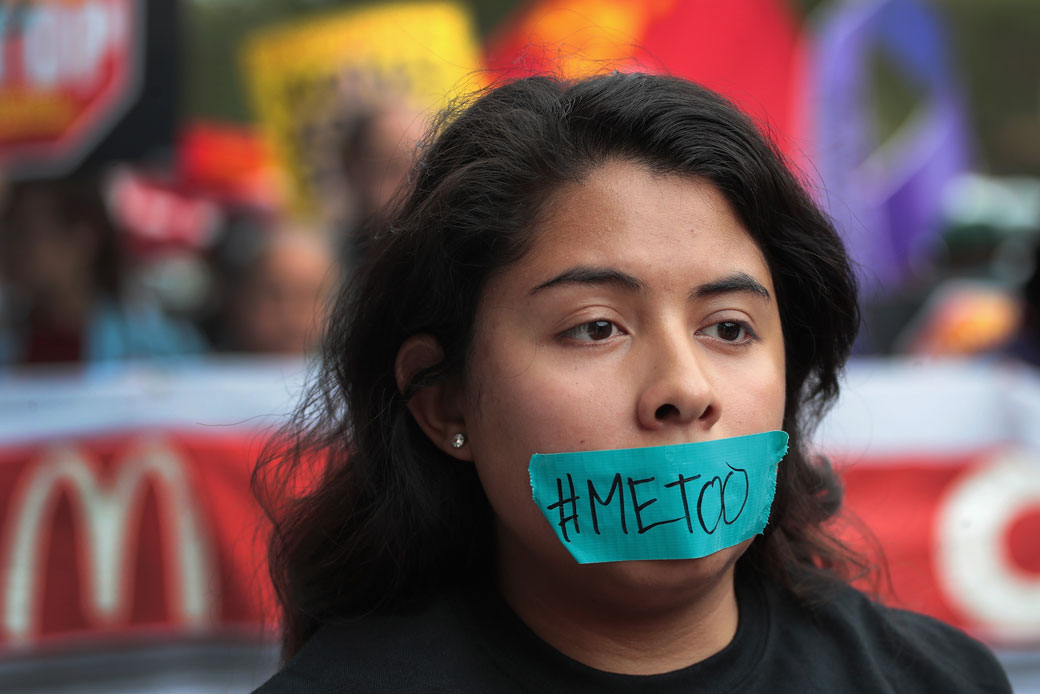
(207, 252)
(977, 292)
(127, 263)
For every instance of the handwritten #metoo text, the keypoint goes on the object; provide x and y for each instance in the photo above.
(715, 500)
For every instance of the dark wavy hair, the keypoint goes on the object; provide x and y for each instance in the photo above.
(386, 519)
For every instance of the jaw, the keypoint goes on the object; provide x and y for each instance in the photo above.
(633, 617)
(626, 591)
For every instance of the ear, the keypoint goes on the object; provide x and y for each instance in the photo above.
(436, 407)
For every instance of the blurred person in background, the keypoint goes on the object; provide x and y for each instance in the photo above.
(275, 295)
(377, 152)
(62, 276)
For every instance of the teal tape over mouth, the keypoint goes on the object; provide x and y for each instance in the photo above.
(663, 502)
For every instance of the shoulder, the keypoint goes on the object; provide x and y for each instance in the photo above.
(885, 649)
(924, 644)
(424, 650)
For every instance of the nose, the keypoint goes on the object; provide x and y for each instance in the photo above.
(678, 389)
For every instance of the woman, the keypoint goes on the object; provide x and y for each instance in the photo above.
(620, 265)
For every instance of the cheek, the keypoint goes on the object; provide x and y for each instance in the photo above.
(750, 387)
(507, 429)
(531, 403)
(757, 402)
(520, 406)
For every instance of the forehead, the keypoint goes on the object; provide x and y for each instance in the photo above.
(661, 225)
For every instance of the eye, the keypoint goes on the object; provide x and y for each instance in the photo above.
(729, 331)
(593, 331)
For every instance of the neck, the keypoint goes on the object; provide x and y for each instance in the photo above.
(661, 631)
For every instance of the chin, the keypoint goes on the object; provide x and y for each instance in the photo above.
(660, 584)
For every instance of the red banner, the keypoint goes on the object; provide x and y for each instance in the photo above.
(157, 530)
(143, 532)
(126, 511)
(960, 534)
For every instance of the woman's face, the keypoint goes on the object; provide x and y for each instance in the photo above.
(643, 315)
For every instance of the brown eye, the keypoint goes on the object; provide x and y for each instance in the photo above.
(729, 331)
(593, 331)
(600, 329)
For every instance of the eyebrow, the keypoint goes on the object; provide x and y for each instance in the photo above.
(588, 275)
(737, 282)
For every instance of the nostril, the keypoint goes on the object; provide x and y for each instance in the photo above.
(666, 412)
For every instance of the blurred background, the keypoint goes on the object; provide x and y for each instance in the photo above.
(183, 183)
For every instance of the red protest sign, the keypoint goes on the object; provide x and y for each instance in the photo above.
(69, 70)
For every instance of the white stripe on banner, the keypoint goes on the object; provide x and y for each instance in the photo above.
(907, 407)
(886, 406)
(48, 403)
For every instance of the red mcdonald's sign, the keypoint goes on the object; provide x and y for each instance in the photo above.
(112, 535)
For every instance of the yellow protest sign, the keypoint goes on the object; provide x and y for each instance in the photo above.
(302, 73)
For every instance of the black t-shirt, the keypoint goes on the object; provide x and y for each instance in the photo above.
(475, 643)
